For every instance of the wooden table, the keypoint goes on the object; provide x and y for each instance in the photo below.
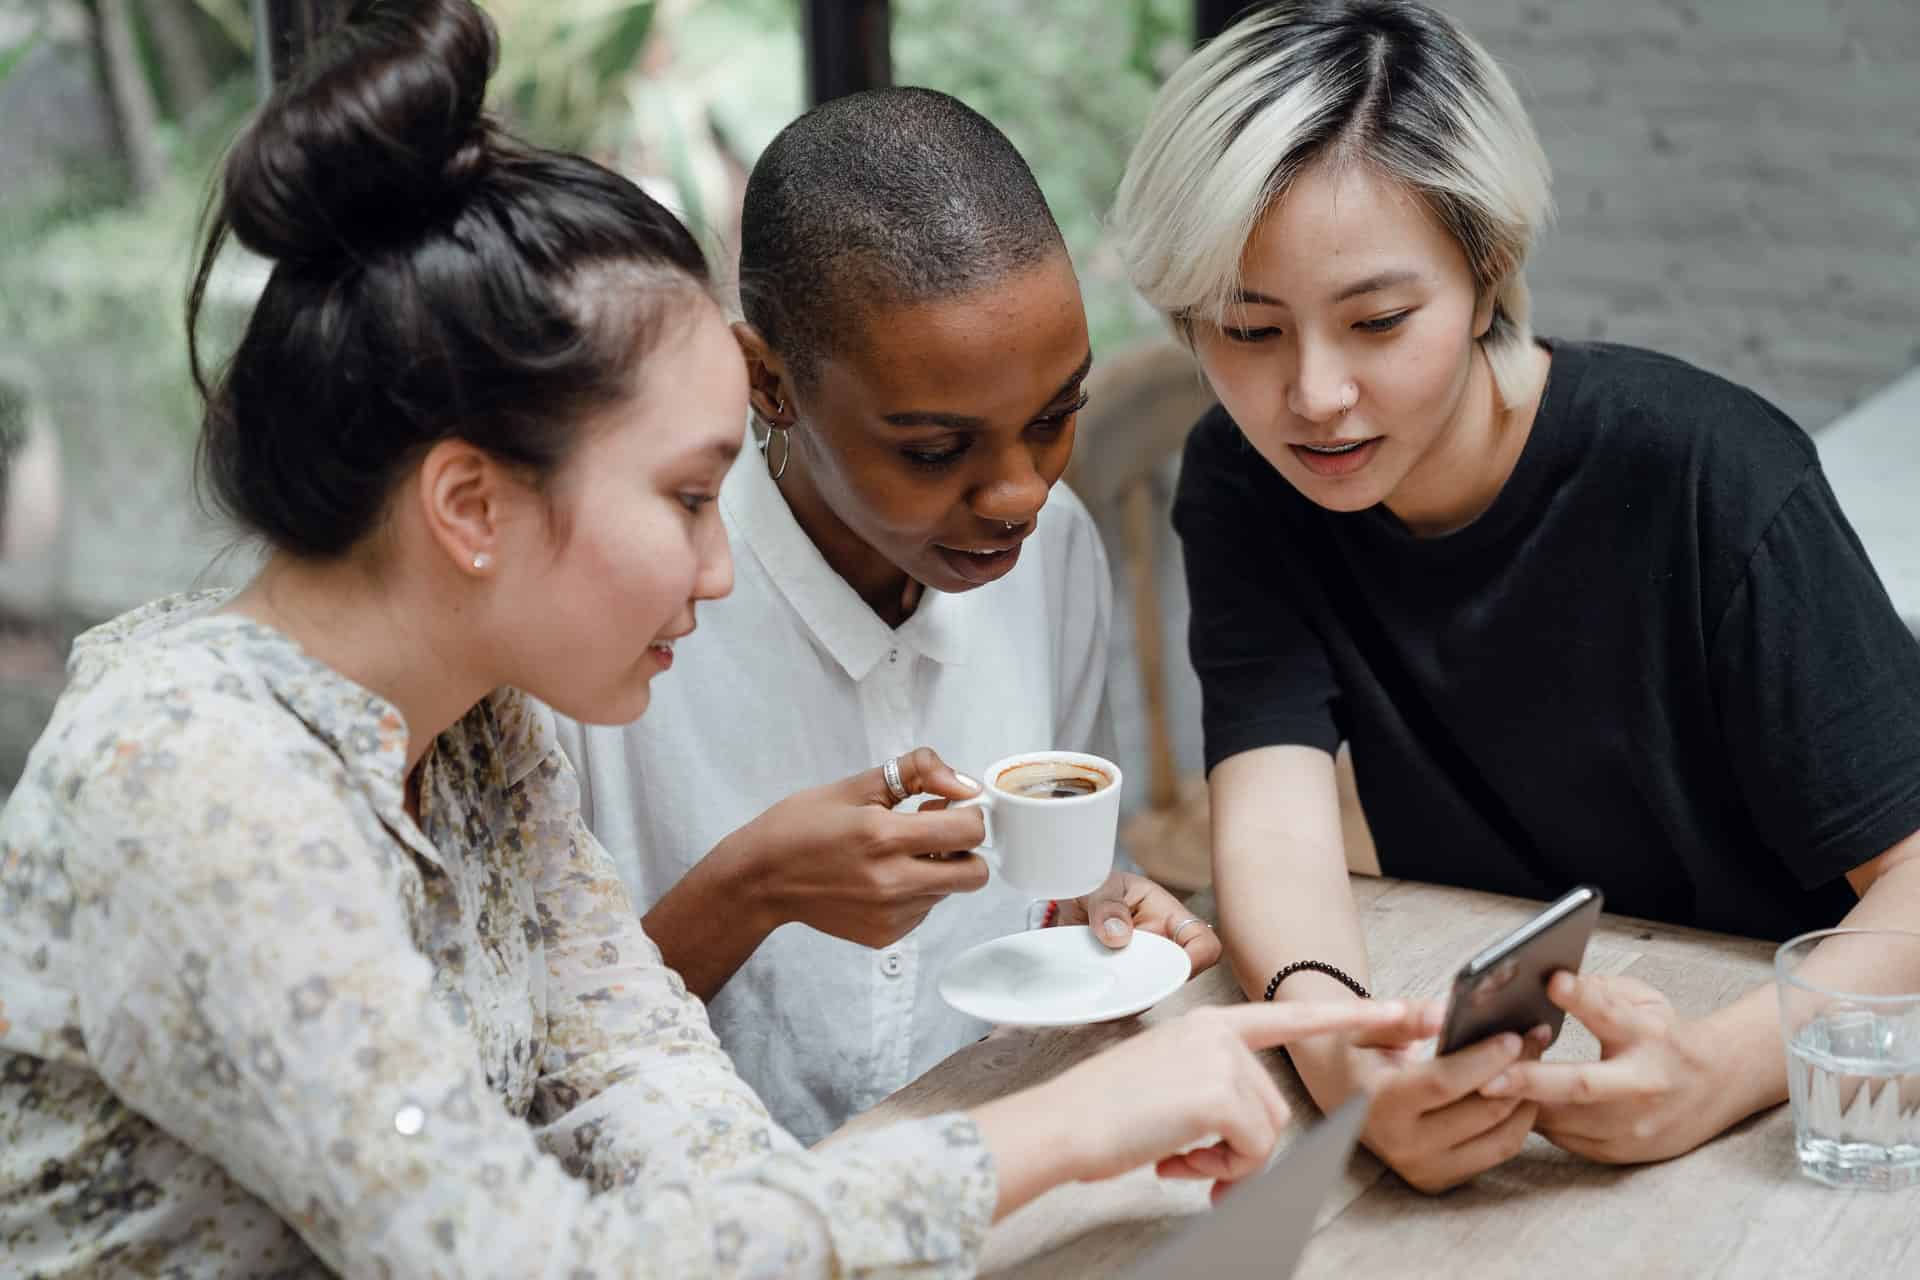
(1735, 1207)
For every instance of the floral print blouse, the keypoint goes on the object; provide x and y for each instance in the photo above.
(256, 1021)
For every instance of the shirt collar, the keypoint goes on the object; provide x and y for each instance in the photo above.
(850, 631)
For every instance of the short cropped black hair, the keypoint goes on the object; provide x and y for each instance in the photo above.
(876, 199)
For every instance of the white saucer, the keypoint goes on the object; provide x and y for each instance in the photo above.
(1062, 977)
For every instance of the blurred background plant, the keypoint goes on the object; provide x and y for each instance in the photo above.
(116, 114)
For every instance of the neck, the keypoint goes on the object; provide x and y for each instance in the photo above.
(1464, 471)
(883, 585)
(383, 636)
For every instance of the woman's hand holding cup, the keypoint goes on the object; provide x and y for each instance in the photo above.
(844, 860)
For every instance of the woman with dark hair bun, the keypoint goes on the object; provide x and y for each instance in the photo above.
(307, 961)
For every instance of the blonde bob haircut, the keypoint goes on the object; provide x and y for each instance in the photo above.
(1390, 84)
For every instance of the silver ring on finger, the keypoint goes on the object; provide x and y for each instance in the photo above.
(891, 772)
(1180, 928)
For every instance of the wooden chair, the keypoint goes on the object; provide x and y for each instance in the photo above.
(1141, 403)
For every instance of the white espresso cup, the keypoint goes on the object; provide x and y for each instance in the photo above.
(1049, 841)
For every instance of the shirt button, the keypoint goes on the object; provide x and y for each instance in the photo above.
(891, 964)
(409, 1120)
(893, 655)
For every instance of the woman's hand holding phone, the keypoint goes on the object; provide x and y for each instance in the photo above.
(1433, 1118)
(1652, 1096)
(1429, 1121)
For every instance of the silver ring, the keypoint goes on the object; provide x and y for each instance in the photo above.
(1178, 929)
(891, 772)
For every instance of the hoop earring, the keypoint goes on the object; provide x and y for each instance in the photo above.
(786, 442)
(786, 449)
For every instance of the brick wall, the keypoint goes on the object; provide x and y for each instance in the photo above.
(1738, 182)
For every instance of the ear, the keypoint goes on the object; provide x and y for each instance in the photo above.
(463, 501)
(767, 377)
(1483, 310)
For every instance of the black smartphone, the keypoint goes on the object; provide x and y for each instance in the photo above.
(1504, 988)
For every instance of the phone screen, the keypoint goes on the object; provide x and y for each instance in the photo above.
(1504, 988)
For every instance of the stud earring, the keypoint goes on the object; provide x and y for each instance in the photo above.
(482, 562)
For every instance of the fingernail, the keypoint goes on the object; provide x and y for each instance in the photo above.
(967, 782)
(1114, 927)
(1509, 1043)
(1498, 1085)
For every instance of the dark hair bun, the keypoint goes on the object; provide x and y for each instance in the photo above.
(374, 137)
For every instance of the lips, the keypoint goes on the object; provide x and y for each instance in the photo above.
(661, 650)
(983, 562)
(1337, 457)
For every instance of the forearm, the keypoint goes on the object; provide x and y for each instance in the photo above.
(1277, 910)
(1280, 878)
(1034, 1146)
(710, 922)
(1746, 1034)
(1300, 909)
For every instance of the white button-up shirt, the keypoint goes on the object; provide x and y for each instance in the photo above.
(793, 681)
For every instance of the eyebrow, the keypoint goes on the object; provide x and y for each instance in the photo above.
(966, 422)
(1371, 284)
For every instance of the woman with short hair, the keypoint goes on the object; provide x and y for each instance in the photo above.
(1585, 613)
(910, 571)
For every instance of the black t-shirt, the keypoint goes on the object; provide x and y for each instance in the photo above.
(1659, 662)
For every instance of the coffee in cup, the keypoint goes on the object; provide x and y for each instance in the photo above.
(1052, 779)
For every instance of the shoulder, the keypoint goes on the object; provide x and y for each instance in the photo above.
(1707, 458)
(1663, 405)
(177, 746)
(189, 682)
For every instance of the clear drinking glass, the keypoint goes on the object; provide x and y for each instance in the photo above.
(1853, 1054)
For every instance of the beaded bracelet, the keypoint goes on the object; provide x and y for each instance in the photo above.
(1053, 913)
(1317, 966)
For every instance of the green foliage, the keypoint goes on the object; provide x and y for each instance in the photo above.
(92, 292)
(564, 64)
(233, 17)
(92, 295)
(12, 57)
(564, 67)
(1070, 82)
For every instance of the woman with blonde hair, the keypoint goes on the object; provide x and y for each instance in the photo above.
(1585, 613)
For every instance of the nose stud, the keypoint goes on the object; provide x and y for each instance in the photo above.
(1349, 396)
